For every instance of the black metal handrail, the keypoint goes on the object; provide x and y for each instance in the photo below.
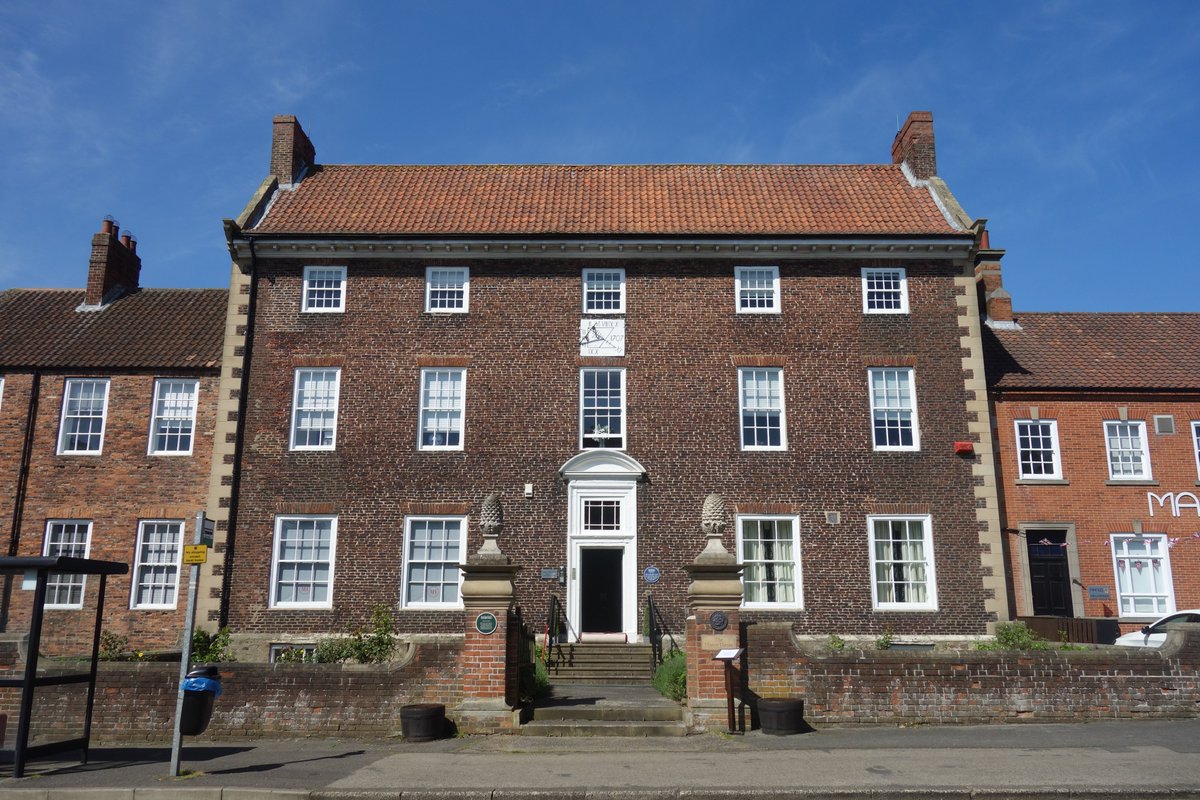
(556, 624)
(658, 628)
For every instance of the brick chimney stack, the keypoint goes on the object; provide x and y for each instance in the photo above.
(994, 299)
(914, 144)
(291, 151)
(114, 267)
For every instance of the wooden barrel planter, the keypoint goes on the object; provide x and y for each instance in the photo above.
(781, 716)
(422, 722)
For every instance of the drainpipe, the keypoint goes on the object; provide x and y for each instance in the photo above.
(14, 536)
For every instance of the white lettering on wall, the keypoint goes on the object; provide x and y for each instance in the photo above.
(1177, 502)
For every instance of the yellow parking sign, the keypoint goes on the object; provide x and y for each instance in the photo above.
(195, 553)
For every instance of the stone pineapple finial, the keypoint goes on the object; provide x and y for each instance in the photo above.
(491, 522)
(713, 521)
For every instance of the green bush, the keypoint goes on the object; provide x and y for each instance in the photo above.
(211, 648)
(535, 678)
(886, 640)
(1014, 636)
(835, 643)
(671, 676)
(113, 646)
(372, 646)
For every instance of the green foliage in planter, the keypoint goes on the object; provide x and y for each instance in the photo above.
(372, 646)
(211, 648)
(835, 643)
(535, 678)
(1014, 636)
(671, 676)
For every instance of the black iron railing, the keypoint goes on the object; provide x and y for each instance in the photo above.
(558, 631)
(657, 629)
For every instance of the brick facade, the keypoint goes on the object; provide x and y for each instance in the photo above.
(1091, 506)
(119, 343)
(683, 340)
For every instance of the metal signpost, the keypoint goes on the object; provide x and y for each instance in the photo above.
(195, 555)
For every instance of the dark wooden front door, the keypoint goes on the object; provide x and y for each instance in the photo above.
(1049, 573)
(600, 589)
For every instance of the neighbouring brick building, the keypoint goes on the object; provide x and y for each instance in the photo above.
(106, 421)
(605, 346)
(1097, 419)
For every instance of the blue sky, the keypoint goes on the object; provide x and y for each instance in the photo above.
(1073, 127)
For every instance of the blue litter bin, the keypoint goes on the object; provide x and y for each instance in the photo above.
(200, 688)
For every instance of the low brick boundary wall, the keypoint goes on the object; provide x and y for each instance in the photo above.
(970, 686)
(135, 702)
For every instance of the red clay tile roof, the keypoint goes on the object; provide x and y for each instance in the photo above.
(1096, 351)
(151, 328)
(663, 199)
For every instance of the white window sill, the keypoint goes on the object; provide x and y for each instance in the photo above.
(1041, 482)
(302, 607)
(772, 607)
(905, 608)
(433, 607)
(1130, 482)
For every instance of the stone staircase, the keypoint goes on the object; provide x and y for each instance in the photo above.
(580, 709)
(599, 663)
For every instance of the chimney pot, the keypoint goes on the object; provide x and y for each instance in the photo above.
(106, 225)
(125, 239)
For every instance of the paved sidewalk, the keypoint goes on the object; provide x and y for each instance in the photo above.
(1131, 759)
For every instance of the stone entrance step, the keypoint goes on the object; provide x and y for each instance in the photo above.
(605, 710)
(598, 663)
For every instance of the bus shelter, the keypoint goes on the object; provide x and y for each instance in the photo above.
(37, 572)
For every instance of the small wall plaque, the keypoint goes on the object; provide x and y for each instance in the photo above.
(1099, 593)
(718, 621)
(486, 623)
(549, 573)
(651, 574)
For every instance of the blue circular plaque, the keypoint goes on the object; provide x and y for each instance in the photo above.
(485, 623)
(651, 574)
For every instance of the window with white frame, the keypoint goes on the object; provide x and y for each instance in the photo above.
(770, 552)
(1, 391)
(302, 561)
(757, 290)
(433, 552)
(173, 420)
(885, 291)
(602, 408)
(85, 404)
(902, 576)
(1128, 450)
(1196, 443)
(1142, 566)
(604, 291)
(761, 400)
(443, 404)
(1037, 449)
(71, 538)
(894, 409)
(447, 290)
(324, 289)
(314, 409)
(156, 564)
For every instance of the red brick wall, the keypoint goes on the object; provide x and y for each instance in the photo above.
(1089, 502)
(682, 334)
(900, 686)
(114, 490)
(136, 702)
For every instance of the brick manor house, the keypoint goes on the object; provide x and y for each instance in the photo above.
(604, 346)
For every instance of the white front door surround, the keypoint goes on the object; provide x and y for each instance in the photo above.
(602, 513)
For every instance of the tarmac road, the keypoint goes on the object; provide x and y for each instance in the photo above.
(1128, 759)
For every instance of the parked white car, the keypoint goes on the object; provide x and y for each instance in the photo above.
(1155, 634)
